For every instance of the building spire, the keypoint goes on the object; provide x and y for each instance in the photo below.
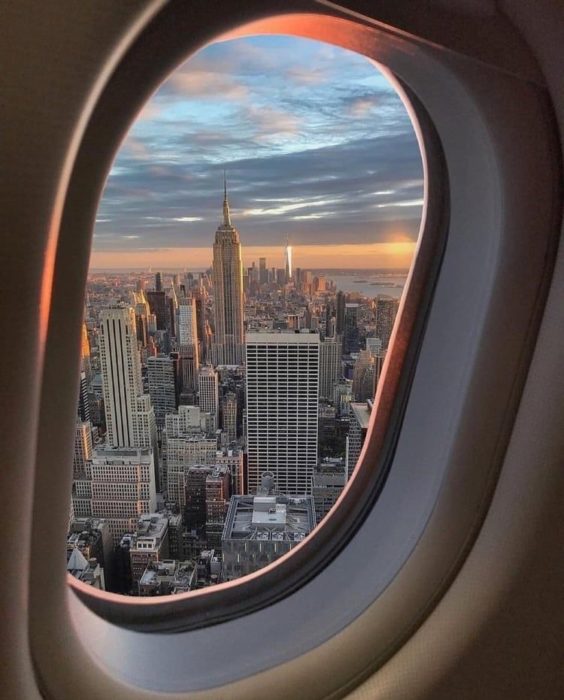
(226, 217)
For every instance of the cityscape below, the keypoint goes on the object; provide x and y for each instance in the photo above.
(221, 413)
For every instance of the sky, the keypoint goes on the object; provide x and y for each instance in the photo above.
(317, 146)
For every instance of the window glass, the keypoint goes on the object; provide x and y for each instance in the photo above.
(249, 256)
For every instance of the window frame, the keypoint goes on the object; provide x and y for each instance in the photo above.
(83, 618)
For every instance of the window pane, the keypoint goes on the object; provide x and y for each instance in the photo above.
(250, 253)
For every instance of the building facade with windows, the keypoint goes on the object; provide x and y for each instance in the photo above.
(161, 372)
(260, 529)
(282, 409)
(123, 487)
(208, 390)
(228, 292)
(330, 353)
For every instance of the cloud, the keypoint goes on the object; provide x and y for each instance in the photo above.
(303, 75)
(361, 106)
(215, 86)
(269, 122)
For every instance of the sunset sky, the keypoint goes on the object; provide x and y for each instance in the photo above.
(317, 147)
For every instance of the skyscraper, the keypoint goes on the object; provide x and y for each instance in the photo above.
(159, 282)
(188, 346)
(82, 448)
(85, 362)
(386, 311)
(340, 313)
(186, 446)
(208, 388)
(263, 272)
(228, 292)
(329, 366)
(161, 372)
(229, 417)
(83, 401)
(351, 336)
(121, 372)
(282, 409)
(123, 487)
(130, 419)
(363, 387)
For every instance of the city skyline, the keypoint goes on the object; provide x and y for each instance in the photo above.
(321, 155)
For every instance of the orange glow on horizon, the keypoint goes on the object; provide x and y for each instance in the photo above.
(349, 256)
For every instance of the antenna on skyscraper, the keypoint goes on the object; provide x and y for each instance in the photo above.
(226, 216)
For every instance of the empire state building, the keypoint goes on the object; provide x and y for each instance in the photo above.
(228, 292)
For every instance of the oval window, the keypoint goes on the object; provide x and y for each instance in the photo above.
(249, 258)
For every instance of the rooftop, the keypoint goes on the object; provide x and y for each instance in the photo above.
(277, 518)
(283, 337)
(361, 412)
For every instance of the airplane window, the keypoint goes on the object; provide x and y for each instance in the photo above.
(465, 386)
(250, 254)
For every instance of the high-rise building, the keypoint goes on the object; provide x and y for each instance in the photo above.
(142, 313)
(364, 376)
(228, 292)
(351, 335)
(85, 361)
(121, 373)
(130, 418)
(188, 346)
(329, 480)
(82, 448)
(282, 409)
(208, 389)
(374, 346)
(91, 536)
(260, 529)
(123, 487)
(218, 493)
(329, 366)
(340, 313)
(157, 301)
(359, 418)
(83, 400)
(149, 544)
(161, 372)
(159, 282)
(229, 417)
(386, 311)
(233, 459)
(263, 272)
(187, 322)
(186, 445)
(202, 330)
(144, 424)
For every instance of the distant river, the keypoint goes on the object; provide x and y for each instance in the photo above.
(367, 284)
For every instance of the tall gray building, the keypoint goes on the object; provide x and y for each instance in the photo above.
(121, 372)
(208, 390)
(228, 292)
(188, 342)
(229, 417)
(161, 373)
(282, 409)
(386, 312)
(330, 366)
(130, 418)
